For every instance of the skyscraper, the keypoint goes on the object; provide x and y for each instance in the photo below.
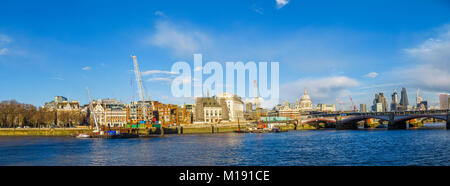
(443, 100)
(394, 102)
(362, 108)
(379, 103)
(404, 100)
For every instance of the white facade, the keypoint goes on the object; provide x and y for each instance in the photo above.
(235, 106)
(110, 117)
(305, 102)
(212, 114)
(326, 108)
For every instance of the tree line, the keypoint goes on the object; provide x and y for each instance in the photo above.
(14, 114)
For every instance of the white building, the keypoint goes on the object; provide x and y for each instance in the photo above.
(111, 114)
(305, 103)
(326, 108)
(235, 106)
(61, 103)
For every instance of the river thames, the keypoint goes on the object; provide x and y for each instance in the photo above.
(294, 148)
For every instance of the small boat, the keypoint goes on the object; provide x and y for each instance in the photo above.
(83, 136)
(276, 129)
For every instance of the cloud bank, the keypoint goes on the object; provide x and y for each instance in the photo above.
(321, 90)
(180, 41)
(431, 63)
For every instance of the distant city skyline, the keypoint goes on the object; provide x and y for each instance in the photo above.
(334, 49)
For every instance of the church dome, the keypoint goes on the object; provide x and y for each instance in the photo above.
(305, 97)
(305, 101)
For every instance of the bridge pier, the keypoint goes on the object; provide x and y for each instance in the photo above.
(395, 125)
(448, 121)
(340, 125)
(366, 125)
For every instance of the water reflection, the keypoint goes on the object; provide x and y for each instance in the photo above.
(318, 147)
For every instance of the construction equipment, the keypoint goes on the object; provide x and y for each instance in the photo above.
(92, 110)
(353, 104)
(137, 73)
(138, 78)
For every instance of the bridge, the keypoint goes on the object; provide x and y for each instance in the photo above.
(396, 120)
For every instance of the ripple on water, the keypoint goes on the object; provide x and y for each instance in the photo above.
(295, 148)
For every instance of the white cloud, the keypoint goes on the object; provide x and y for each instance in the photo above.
(3, 51)
(181, 41)
(384, 85)
(150, 72)
(86, 68)
(160, 13)
(160, 79)
(281, 3)
(257, 9)
(372, 75)
(431, 70)
(321, 90)
(4, 39)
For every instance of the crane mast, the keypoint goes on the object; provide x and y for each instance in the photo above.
(137, 73)
(92, 110)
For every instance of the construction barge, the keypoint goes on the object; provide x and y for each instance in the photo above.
(108, 135)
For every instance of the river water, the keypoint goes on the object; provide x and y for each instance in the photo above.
(294, 148)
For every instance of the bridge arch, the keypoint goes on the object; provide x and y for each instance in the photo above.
(360, 118)
(318, 119)
(320, 122)
(410, 117)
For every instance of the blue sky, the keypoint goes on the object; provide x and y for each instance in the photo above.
(336, 49)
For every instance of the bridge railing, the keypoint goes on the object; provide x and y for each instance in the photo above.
(415, 112)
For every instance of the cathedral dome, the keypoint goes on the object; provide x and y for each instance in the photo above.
(305, 101)
(305, 97)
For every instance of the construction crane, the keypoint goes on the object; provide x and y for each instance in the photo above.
(353, 104)
(138, 78)
(92, 110)
(137, 73)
